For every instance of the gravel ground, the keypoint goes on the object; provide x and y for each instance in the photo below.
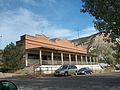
(104, 81)
(6, 75)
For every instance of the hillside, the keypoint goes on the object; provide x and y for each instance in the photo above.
(91, 42)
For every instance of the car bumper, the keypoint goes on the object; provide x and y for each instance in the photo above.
(58, 74)
(80, 73)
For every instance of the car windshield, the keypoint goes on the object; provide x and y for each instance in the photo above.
(82, 69)
(63, 67)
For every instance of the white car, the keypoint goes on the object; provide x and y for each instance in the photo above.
(66, 70)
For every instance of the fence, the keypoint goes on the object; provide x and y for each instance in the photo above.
(49, 69)
(46, 69)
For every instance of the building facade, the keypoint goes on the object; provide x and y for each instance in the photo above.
(40, 50)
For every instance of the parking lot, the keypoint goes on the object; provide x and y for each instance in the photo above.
(106, 81)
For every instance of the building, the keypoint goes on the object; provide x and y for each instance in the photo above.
(40, 50)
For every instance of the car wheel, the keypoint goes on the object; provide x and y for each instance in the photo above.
(75, 73)
(85, 73)
(90, 72)
(66, 74)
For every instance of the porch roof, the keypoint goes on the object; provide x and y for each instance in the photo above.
(41, 41)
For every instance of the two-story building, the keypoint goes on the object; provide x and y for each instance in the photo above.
(40, 50)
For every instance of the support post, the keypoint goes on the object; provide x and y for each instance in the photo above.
(86, 60)
(26, 58)
(81, 59)
(94, 60)
(90, 60)
(76, 59)
(70, 58)
(40, 53)
(52, 58)
(97, 59)
(62, 58)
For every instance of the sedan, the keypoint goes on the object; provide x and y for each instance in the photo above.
(84, 71)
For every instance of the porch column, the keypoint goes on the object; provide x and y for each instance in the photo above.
(94, 60)
(81, 59)
(52, 58)
(90, 60)
(70, 58)
(97, 59)
(62, 58)
(26, 59)
(76, 59)
(40, 54)
(86, 60)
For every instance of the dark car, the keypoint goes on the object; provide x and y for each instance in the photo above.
(116, 67)
(84, 71)
(66, 70)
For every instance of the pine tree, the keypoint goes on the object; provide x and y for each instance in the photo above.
(12, 58)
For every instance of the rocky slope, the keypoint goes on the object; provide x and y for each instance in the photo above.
(91, 42)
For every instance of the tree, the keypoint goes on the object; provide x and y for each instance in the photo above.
(12, 58)
(107, 16)
(117, 54)
(105, 53)
(107, 19)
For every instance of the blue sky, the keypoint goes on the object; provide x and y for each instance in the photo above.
(53, 18)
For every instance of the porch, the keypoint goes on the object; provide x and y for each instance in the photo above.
(44, 56)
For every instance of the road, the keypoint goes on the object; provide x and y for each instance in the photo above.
(107, 81)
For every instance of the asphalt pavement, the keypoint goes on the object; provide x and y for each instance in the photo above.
(105, 81)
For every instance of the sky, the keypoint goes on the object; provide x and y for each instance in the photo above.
(53, 18)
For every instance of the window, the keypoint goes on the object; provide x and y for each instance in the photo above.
(33, 56)
(72, 67)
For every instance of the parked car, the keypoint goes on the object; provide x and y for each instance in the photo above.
(66, 70)
(84, 71)
(116, 67)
